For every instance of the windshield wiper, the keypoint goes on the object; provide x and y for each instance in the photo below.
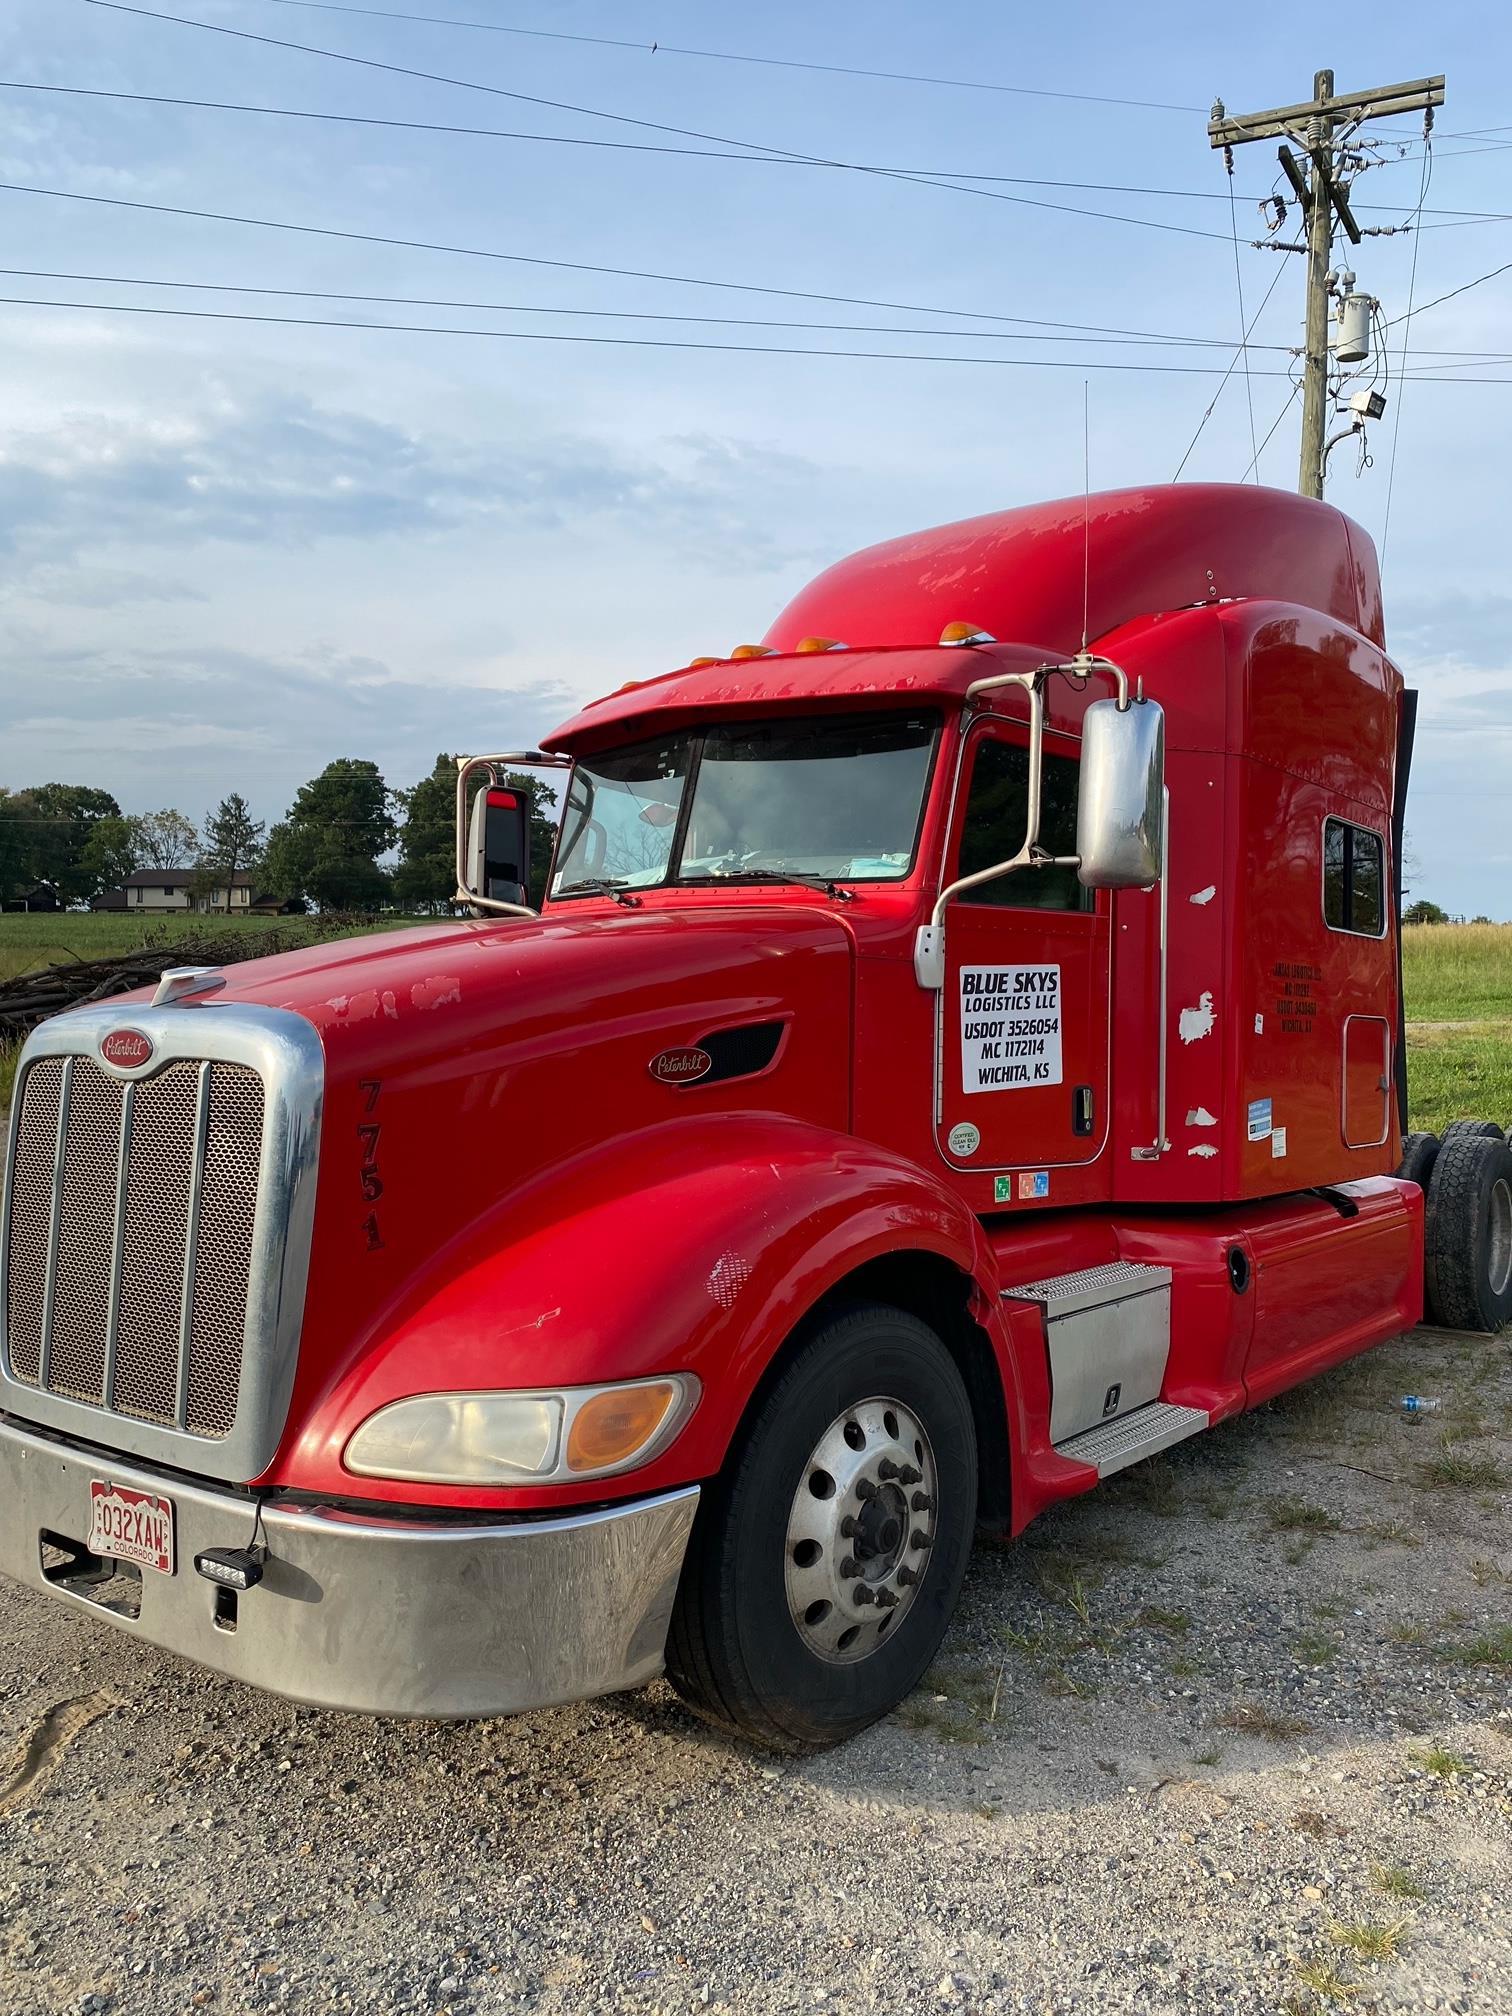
(597, 885)
(796, 875)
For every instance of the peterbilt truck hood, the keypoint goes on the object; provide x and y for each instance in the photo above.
(467, 1062)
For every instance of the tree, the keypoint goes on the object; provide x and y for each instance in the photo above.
(328, 847)
(111, 853)
(65, 814)
(19, 832)
(1424, 912)
(427, 873)
(166, 839)
(231, 843)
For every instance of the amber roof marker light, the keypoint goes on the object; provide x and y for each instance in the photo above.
(966, 633)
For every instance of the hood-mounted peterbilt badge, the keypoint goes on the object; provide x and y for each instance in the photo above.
(681, 1067)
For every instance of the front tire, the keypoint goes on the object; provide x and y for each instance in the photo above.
(827, 1557)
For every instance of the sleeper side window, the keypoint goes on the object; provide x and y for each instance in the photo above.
(997, 813)
(1354, 879)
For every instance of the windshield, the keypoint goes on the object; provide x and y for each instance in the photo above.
(836, 797)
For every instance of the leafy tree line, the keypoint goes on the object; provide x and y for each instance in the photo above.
(328, 848)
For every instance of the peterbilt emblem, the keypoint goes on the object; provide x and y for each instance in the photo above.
(681, 1067)
(127, 1049)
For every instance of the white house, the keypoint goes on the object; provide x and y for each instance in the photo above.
(154, 889)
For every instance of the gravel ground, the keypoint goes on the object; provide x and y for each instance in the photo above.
(1205, 1741)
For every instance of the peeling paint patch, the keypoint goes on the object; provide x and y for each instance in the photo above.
(390, 1006)
(1204, 895)
(727, 1277)
(1199, 1116)
(437, 992)
(1195, 1023)
(1259, 1025)
(355, 1007)
(1204, 1150)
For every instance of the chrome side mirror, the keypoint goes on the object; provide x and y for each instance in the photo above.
(1120, 810)
(498, 845)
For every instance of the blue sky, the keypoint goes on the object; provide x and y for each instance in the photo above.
(231, 551)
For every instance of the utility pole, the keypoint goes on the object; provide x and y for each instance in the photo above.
(1324, 198)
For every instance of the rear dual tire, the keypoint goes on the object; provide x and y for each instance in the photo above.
(827, 1557)
(1468, 1229)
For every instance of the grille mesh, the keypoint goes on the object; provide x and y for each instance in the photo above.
(31, 1216)
(166, 1178)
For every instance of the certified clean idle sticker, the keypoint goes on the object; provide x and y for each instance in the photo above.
(964, 1139)
(1010, 1027)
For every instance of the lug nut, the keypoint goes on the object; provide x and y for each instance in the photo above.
(921, 1502)
(847, 1527)
(850, 1566)
(887, 1470)
(886, 1599)
(918, 1541)
(865, 1489)
(908, 1474)
(864, 1593)
(906, 1575)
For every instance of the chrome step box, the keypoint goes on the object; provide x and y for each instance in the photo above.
(1108, 1332)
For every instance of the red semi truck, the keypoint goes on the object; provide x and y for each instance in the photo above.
(950, 1063)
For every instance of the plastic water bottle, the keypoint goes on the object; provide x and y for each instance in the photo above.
(1414, 1403)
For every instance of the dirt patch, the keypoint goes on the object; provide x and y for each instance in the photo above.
(1232, 1734)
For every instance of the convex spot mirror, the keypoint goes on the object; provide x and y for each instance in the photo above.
(498, 845)
(1120, 811)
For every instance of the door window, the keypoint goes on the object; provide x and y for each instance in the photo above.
(997, 813)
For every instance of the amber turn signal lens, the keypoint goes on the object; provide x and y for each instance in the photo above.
(752, 651)
(806, 644)
(612, 1427)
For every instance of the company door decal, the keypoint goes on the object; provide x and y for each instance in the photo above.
(1010, 1027)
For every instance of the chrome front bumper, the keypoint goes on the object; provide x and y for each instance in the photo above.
(383, 1615)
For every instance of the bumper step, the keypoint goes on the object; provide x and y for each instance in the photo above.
(1114, 1445)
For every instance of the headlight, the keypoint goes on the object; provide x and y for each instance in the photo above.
(521, 1438)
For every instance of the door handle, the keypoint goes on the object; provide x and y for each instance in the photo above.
(1083, 1109)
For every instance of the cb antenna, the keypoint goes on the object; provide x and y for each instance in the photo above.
(1086, 510)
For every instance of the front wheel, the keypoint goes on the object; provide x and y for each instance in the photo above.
(827, 1557)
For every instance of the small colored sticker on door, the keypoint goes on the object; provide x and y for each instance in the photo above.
(1260, 1120)
(1002, 1189)
(1034, 1183)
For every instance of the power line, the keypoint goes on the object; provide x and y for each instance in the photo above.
(1290, 402)
(1065, 332)
(759, 148)
(1439, 299)
(658, 342)
(512, 258)
(1151, 339)
(617, 342)
(1218, 394)
(675, 153)
(1396, 424)
(731, 56)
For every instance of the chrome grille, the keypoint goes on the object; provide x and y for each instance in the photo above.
(130, 1237)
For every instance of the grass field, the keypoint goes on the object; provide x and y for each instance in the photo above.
(1458, 987)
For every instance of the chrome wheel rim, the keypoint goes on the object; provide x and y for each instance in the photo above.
(861, 1529)
(1499, 1242)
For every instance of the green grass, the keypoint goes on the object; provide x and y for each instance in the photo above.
(1392, 1880)
(1458, 973)
(31, 941)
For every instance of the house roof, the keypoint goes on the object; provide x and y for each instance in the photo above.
(154, 878)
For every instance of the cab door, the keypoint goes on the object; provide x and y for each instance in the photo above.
(1021, 1054)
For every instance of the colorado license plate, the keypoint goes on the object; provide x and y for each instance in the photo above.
(131, 1526)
